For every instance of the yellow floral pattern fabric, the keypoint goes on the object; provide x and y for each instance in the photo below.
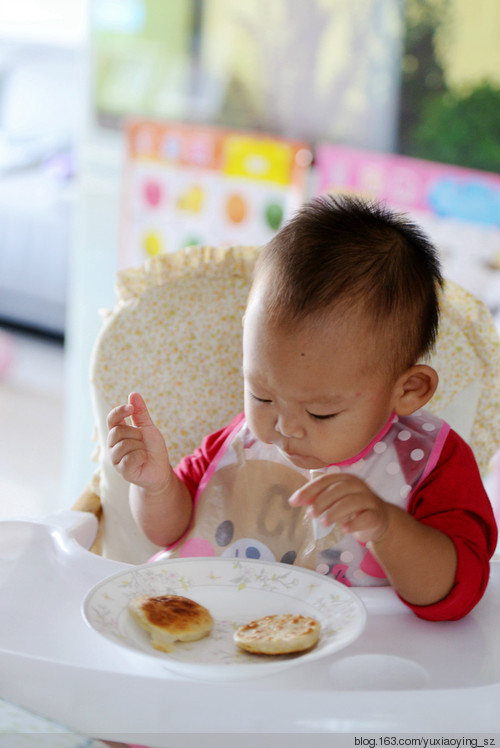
(175, 336)
(468, 352)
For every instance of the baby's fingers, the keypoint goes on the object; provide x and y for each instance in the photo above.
(118, 415)
(360, 513)
(310, 492)
(123, 432)
(343, 511)
(127, 457)
(369, 524)
(126, 450)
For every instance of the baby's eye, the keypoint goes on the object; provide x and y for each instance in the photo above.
(259, 399)
(322, 417)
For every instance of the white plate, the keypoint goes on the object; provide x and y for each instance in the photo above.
(235, 592)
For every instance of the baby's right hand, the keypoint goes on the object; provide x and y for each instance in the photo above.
(137, 451)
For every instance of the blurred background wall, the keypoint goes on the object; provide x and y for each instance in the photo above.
(417, 78)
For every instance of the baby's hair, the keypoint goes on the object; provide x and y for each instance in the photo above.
(340, 253)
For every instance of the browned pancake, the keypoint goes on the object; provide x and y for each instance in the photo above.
(278, 634)
(170, 618)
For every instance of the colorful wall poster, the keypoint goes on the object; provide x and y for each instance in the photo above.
(459, 208)
(189, 184)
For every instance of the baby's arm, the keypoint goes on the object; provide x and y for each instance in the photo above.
(420, 561)
(160, 502)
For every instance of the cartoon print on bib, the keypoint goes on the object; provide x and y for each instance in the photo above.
(249, 548)
(244, 512)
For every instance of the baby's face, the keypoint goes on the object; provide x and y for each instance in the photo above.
(316, 391)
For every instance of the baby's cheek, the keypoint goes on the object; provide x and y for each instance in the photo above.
(258, 425)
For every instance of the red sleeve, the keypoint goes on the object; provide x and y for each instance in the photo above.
(453, 499)
(192, 468)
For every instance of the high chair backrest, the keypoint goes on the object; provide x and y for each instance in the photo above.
(175, 336)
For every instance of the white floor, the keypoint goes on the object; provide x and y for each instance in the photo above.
(31, 425)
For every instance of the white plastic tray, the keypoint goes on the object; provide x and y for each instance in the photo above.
(401, 675)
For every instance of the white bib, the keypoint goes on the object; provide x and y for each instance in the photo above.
(241, 508)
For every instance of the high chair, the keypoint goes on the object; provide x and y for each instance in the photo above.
(175, 336)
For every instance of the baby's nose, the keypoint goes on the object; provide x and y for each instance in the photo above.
(289, 427)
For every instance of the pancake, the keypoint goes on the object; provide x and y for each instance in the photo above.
(278, 634)
(171, 618)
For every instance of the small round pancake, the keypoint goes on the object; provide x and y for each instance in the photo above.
(278, 634)
(170, 618)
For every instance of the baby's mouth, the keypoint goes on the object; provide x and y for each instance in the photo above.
(293, 457)
(302, 461)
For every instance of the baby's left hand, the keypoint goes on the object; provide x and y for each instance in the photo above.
(347, 501)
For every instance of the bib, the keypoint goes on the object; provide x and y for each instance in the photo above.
(241, 507)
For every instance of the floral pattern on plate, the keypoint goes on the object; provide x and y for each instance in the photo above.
(236, 592)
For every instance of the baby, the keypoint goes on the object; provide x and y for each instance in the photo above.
(333, 465)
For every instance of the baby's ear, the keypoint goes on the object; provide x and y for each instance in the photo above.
(414, 389)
